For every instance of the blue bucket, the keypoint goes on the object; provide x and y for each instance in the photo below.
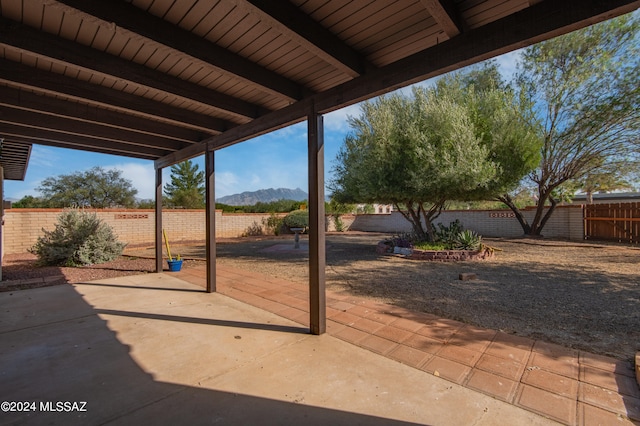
(174, 265)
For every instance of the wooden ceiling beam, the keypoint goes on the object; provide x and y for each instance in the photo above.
(74, 55)
(539, 22)
(22, 134)
(82, 128)
(16, 98)
(445, 13)
(300, 28)
(56, 84)
(130, 18)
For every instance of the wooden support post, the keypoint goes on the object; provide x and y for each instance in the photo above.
(210, 203)
(317, 260)
(159, 263)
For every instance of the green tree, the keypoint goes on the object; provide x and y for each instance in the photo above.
(501, 121)
(187, 188)
(96, 187)
(29, 202)
(416, 153)
(584, 90)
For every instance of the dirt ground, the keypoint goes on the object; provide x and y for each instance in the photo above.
(584, 295)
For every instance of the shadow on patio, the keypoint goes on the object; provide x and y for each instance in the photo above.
(141, 349)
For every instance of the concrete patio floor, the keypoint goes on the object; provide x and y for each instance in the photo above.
(155, 349)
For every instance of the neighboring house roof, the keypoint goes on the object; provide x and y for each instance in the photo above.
(609, 197)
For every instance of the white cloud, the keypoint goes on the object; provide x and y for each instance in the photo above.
(142, 177)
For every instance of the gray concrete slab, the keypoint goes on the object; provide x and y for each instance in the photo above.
(153, 349)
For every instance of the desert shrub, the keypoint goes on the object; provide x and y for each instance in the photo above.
(273, 224)
(254, 230)
(297, 219)
(79, 238)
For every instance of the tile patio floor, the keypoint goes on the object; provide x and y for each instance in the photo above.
(570, 386)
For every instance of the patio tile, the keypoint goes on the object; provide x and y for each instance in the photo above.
(566, 366)
(547, 404)
(392, 333)
(491, 384)
(436, 331)
(424, 344)
(409, 356)
(459, 354)
(367, 325)
(345, 318)
(512, 340)
(341, 305)
(446, 369)
(292, 313)
(588, 415)
(504, 367)
(350, 335)
(552, 350)
(551, 382)
(606, 363)
(332, 312)
(610, 400)
(333, 327)
(616, 382)
(377, 344)
(382, 318)
(506, 351)
(407, 324)
(361, 311)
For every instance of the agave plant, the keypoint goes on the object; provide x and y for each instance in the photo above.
(468, 240)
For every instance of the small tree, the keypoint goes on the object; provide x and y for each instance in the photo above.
(79, 238)
(187, 188)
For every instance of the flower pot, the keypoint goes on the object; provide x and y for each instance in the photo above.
(174, 265)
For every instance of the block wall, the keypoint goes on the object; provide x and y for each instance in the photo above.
(566, 222)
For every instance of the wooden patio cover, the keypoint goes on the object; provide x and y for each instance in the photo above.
(167, 80)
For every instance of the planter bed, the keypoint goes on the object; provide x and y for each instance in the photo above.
(439, 255)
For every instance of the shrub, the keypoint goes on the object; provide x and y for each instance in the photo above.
(79, 238)
(447, 235)
(404, 240)
(297, 219)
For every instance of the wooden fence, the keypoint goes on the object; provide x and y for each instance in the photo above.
(614, 222)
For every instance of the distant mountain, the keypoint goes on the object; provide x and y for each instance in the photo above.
(263, 195)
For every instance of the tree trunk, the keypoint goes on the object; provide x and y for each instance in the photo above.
(526, 228)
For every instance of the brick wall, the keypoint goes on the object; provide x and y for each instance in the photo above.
(137, 227)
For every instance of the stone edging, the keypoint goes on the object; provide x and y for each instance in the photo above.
(440, 255)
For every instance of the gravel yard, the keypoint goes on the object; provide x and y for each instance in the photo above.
(581, 295)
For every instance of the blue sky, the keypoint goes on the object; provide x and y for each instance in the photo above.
(275, 160)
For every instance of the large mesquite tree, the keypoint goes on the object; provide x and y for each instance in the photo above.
(584, 91)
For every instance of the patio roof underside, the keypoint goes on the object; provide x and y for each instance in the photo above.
(167, 80)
